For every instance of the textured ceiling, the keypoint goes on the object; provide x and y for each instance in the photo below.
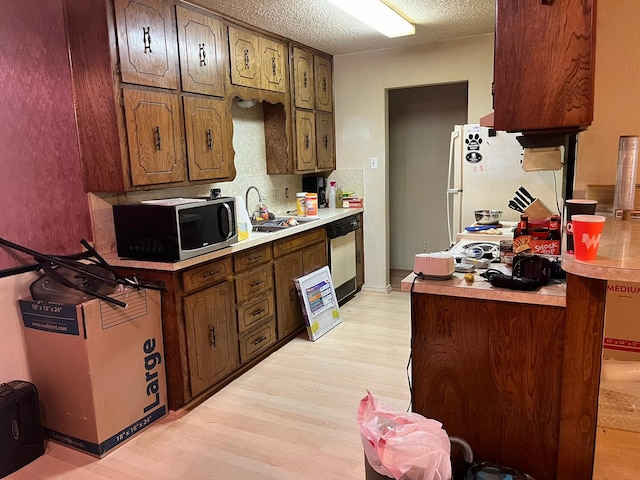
(321, 25)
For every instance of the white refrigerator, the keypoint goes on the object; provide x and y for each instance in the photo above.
(485, 172)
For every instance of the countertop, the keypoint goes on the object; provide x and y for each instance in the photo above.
(325, 216)
(457, 286)
(618, 256)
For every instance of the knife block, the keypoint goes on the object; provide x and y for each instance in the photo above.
(537, 210)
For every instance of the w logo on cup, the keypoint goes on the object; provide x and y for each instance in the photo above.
(591, 241)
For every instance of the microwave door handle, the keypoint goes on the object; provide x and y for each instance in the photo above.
(230, 217)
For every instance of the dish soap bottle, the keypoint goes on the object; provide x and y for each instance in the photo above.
(339, 196)
(331, 198)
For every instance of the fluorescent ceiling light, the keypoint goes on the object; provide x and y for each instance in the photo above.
(377, 15)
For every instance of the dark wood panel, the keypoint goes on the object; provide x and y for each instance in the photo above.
(491, 372)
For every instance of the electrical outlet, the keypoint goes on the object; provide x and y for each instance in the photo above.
(374, 162)
(427, 248)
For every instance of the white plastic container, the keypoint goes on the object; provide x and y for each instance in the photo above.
(331, 197)
(311, 204)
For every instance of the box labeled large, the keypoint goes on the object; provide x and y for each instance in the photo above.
(621, 325)
(99, 368)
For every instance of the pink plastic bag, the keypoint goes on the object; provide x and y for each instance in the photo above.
(403, 445)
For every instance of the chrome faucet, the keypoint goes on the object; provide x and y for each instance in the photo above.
(246, 199)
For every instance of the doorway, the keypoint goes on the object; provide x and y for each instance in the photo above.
(420, 121)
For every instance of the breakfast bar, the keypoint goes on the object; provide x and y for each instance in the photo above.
(517, 374)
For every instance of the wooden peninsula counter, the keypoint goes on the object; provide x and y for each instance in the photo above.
(517, 374)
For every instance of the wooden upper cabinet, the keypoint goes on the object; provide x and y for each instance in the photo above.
(305, 141)
(544, 65)
(303, 78)
(244, 48)
(324, 141)
(272, 65)
(155, 134)
(147, 43)
(209, 139)
(324, 83)
(203, 52)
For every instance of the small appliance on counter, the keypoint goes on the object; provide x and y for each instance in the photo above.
(434, 266)
(174, 229)
(317, 185)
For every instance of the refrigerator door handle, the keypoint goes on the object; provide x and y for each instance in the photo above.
(451, 187)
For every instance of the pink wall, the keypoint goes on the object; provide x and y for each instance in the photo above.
(42, 203)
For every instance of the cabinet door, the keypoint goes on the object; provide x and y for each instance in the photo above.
(245, 58)
(154, 131)
(324, 139)
(323, 81)
(303, 78)
(147, 43)
(288, 309)
(212, 341)
(305, 141)
(314, 257)
(208, 128)
(544, 65)
(203, 52)
(272, 65)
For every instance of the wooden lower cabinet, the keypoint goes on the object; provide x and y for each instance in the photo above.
(308, 253)
(212, 340)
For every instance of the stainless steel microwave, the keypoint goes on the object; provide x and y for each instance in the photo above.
(174, 229)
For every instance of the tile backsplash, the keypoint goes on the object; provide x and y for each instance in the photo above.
(251, 170)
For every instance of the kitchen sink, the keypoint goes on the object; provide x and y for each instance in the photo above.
(280, 223)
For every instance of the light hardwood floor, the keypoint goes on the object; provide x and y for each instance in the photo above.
(293, 416)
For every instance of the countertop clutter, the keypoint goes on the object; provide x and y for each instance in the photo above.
(325, 216)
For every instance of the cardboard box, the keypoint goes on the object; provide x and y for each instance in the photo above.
(99, 368)
(621, 325)
(528, 244)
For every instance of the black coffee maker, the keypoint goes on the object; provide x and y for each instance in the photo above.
(316, 185)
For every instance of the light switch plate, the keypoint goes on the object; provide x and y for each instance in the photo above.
(374, 162)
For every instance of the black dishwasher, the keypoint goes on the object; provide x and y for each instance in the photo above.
(342, 256)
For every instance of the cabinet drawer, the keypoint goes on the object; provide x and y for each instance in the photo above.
(254, 312)
(245, 261)
(258, 341)
(254, 283)
(296, 242)
(207, 274)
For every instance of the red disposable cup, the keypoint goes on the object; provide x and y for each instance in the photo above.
(587, 230)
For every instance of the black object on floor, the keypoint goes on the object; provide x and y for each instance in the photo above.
(21, 435)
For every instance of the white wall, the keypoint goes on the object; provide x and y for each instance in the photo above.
(360, 83)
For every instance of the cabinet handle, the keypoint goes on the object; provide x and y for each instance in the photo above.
(326, 141)
(255, 258)
(255, 284)
(273, 66)
(202, 55)
(213, 336)
(259, 312)
(547, 2)
(304, 79)
(324, 84)
(210, 274)
(158, 139)
(209, 140)
(306, 141)
(259, 341)
(246, 59)
(292, 294)
(146, 38)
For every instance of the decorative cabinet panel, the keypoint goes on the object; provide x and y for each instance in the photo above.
(323, 83)
(324, 141)
(305, 141)
(245, 58)
(203, 52)
(212, 341)
(273, 65)
(154, 130)
(304, 94)
(258, 341)
(544, 65)
(147, 43)
(209, 139)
